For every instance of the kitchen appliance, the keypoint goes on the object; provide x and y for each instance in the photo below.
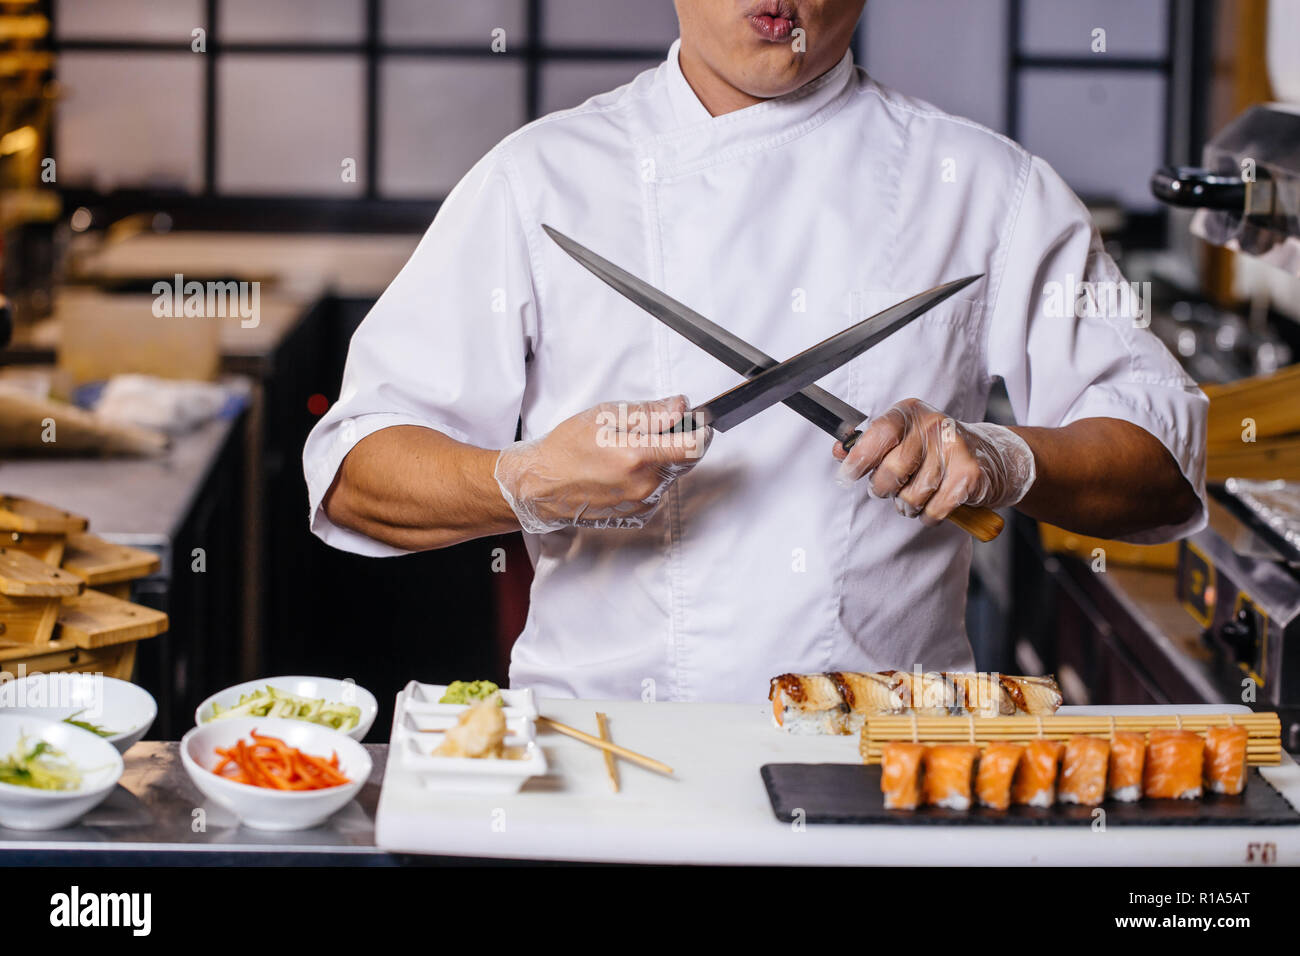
(1247, 194)
(1240, 579)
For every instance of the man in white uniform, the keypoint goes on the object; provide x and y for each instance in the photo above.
(762, 179)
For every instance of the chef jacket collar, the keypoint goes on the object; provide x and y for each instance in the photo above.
(703, 140)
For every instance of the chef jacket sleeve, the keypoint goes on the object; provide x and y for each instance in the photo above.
(1068, 337)
(444, 347)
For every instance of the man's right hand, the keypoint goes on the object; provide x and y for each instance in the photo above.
(606, 467)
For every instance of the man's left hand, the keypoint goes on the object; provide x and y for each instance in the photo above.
(929, 463)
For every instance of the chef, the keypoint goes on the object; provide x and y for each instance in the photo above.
(767, 182)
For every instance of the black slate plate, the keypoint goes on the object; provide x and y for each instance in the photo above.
(850, 793)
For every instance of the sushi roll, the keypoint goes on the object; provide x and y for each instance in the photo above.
(1035, 781)
(900, 775)
(865, 695)
(808, 704)
(1083, 771)
(1036, 696)
(948, 775)
(1225, 759)
(930, 694)
(1173, 767)
(997, 768)
(982, 695)
(1128, 752)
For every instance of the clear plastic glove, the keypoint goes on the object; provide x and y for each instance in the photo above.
(930, 463)
(606, 467)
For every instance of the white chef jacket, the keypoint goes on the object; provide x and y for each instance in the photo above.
(784, 222)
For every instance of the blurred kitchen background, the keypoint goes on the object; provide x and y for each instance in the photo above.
(305, 145)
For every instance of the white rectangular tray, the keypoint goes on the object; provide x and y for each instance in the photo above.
(418, 723)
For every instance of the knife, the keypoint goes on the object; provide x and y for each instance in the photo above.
(786, 378)
(815, 404)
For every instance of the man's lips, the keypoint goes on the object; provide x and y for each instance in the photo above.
(772, 19)
(771, 27)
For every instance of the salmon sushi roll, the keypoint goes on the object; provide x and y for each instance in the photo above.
(900, 774)
(948, 775)
(1173, 768)
(1035, 781)
(1225, 759)
(1128, 755)
(997, 769)
(1083, 771)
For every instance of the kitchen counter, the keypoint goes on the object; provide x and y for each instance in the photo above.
(347, 265)
(713, 810)
(156, 816)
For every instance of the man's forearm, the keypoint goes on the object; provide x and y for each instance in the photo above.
(415, 488)
(1105, 477)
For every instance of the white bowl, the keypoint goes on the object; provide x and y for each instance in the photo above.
(335, 691)
(262, 808)
(24, 808)
(117, 705)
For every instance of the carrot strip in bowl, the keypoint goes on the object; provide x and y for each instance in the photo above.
(270, 763)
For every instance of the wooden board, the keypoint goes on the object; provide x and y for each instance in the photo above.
(1058, 540)
(22, 575)
(850, 793)
(45, 548)
(25, 424)
(94, 620)
(35, 517)
(1269, 401)
(99, 562)
(64, 657)
(28, 620)
(1265, 459)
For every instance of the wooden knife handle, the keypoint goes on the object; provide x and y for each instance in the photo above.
(982, 523)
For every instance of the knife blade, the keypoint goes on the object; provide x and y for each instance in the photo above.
(819, 406)
(786, 378)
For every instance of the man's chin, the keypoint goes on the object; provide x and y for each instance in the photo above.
(771, 76)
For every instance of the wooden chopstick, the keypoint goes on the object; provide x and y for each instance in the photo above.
(640, 759)
(602, 723)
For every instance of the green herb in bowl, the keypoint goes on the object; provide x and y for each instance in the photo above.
(471, 692)
(95, 729)
(39, 766)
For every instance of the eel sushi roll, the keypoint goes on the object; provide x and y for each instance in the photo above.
(1225, 759)
(808, 704)
(864, 695)
(1128, 754)
(1083, 771)
(900, 774)
(982, 695)
(997, 769)
(929, 694)
(1035, 781)
(1174, 762)
(1032, 695)
(948, 775)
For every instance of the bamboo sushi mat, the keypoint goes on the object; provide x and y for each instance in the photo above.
(1263, 744)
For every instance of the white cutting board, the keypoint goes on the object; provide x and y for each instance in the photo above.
(715, 808)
